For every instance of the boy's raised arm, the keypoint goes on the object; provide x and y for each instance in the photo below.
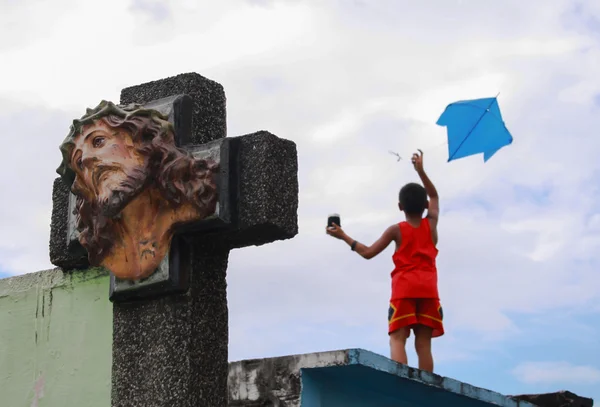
(433, 210)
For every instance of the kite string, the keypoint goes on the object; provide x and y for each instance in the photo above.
(442, 144)
(426, 149)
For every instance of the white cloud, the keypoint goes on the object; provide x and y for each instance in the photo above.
(102, 64)
(347, 83)
(556, 373)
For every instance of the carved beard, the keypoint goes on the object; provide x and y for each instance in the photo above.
(111, 201)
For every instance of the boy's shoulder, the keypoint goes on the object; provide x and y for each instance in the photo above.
(394, 227)
(425, 224)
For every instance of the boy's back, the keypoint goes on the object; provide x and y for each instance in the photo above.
(414, 303)
(415, 272)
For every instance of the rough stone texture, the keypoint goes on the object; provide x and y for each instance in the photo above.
(60, 255)
(558, 399)
(172, 351)
(267, 204)
(209, 113)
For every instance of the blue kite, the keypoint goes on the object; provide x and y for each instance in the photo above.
(474, 126)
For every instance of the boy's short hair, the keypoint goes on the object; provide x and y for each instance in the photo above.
(413, 199)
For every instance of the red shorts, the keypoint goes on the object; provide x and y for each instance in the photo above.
(408, 312)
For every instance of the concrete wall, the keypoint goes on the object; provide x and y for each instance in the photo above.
(350, 378)
(55, 339)
(56, 351)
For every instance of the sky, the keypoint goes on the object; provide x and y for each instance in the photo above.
(348, 81)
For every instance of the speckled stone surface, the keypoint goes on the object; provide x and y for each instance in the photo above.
(267, 204)
(209, 113)
(60, 255)
(172, 351)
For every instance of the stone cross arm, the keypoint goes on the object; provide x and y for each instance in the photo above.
(267, 201)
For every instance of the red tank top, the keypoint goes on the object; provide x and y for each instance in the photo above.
(415, 273)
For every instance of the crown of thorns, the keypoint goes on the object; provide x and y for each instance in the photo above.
(102, 110)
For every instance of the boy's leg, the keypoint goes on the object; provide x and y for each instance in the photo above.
(401, 316)
(423, 347)
(429, 325)
(398, 345)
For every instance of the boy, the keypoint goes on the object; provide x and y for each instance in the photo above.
(415, 301)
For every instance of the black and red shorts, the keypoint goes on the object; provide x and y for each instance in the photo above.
(408, 312)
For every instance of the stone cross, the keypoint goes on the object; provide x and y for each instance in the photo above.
(170, 329)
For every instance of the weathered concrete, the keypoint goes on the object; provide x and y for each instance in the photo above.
(353, 378)
(55, 347)
(558, 399)
(275, 381)
(55, 339)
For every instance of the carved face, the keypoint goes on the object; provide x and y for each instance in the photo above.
(109, 169)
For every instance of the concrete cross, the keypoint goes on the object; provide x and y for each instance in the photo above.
(170, 330)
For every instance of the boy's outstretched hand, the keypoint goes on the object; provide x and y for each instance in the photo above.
(335, 231)
(417, 160)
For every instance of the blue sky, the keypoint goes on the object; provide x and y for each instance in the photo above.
(348, 81)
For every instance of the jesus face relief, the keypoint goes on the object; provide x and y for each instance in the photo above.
(134, 187)
(109, 169)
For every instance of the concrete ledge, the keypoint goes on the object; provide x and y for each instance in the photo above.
(557, 399)
(372, 378)
(353, 377)
(47, 280)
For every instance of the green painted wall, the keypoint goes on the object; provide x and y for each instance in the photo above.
(55, 339)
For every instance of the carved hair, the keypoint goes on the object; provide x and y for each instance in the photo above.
(177, 174)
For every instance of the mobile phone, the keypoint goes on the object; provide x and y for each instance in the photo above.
(334, 218)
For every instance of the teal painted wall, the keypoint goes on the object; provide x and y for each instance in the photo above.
(55, 339)
(368, 379)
